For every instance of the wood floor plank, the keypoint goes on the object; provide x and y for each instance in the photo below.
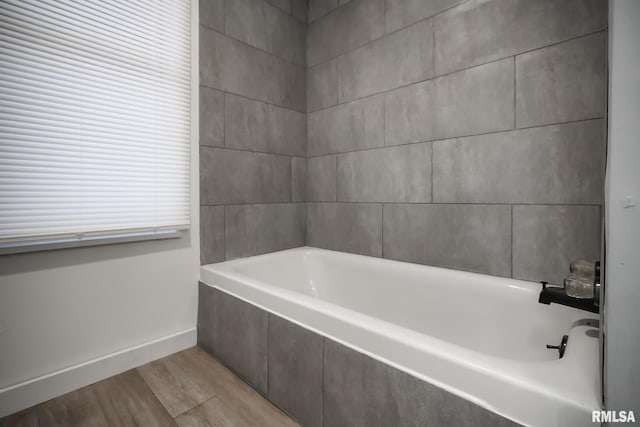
(150, 396)
(241, 398)
(122, 400)
(127, 400)
(183, 380)
(214, 413)
(80, 407)
(76, 408)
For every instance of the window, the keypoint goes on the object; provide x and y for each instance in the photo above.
(94, 119)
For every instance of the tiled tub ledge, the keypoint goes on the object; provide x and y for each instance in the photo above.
(281, 322)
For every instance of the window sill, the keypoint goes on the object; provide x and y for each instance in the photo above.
(47, 245)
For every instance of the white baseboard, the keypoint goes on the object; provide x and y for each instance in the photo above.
(28, 393)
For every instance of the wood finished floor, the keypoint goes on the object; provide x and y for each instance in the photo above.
(186, 389)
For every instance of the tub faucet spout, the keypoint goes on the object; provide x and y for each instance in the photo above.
(558, 294)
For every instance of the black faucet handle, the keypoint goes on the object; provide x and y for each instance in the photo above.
(562, 347)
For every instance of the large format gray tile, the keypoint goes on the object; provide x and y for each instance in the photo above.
(235, 332)
(395, 174)
(257, 126)
(257, 229)
(401, 13)
(211, 117)
(547, 238)
(410, 114)
(395, 60)
(264, 26)
(353, 25)
(464, 237)
(318, 8)
(321, 179)
(298, 179)
(546, 165)
(322, 85)
(211, 234)
(562, 83)
(295, 371)
(474, 101)
(230, 65)
(232, 176)
(360, 391)
(347, 127)
(480, 31)
(347, 227)
(212, 14)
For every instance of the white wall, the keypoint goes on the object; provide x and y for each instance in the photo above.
(622, 304)
(65, 307)
(70, 308)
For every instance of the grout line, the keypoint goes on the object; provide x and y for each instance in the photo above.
(373, 202)
(433, 47)
(330, 12)
(384, 120)
(512, 239)
(592, 33)
(335, 175)
(288, 156)
(384, 17)
(437, 76)
(224, 229)
(224, 119)
(515, 121)
(224, 17)
(290, 179)
(305, 229)
(338, 81)
(226, 92)
(260, 203)
(268, 368)
(433, 77)
(382, 233)
(224, 33)
(384, 33)
(432, 143)
(282, 11)
(457, 137)
(587, 119)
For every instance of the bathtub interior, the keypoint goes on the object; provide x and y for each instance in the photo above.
(494, 316)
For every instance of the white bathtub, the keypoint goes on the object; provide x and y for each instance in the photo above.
(480, 337)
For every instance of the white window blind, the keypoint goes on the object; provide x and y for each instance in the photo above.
(94, 118)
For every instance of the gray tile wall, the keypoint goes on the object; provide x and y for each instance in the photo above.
(318, 381)
(253, 128)
(464, 134)
(415, 130)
